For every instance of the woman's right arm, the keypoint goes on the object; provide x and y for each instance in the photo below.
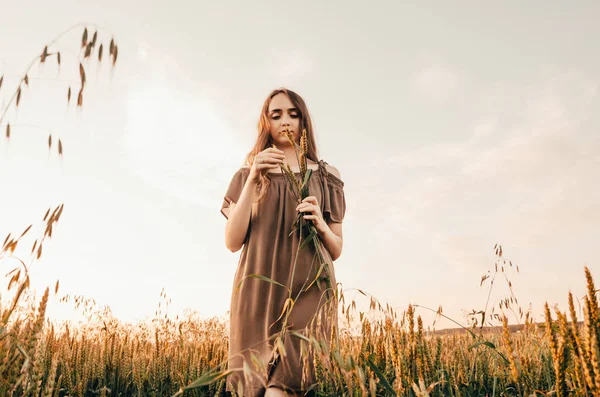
(239, 213)
(239, 217)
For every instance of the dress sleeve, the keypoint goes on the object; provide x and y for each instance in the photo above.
(334, 204)
(234, 191)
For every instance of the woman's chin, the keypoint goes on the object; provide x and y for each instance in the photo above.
(281, 140)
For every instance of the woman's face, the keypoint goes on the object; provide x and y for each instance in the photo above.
(283, 114)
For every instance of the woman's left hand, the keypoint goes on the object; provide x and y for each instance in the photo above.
(311, 205)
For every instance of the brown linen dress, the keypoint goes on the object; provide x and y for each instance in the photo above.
(256, 306)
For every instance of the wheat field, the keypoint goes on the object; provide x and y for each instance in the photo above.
(391, 356)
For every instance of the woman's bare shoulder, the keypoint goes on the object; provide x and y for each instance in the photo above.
(332, 170)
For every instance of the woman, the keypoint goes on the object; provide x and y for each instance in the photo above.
(260, 212)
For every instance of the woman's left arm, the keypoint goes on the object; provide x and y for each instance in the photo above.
(332, 239)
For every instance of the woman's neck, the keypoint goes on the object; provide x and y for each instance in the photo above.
(290, 156)
(292, 160)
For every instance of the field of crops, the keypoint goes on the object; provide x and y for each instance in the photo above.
(390, 356)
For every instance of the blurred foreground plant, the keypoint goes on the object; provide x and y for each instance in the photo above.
(23, 344)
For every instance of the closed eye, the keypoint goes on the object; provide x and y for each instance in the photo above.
(277, 116)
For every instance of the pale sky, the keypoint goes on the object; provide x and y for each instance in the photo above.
(454, 127)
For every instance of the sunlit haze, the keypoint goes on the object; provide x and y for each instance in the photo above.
(454, 127)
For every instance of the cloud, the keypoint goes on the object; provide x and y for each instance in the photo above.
(439, 153)
(142, 51)
(464, 253)
(290, 65)
(178, 143)
(437, 81)
(531, 183)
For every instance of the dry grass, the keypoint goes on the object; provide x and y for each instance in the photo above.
(393, 355)
(29, 363)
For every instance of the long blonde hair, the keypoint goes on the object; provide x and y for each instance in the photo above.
(265, 141)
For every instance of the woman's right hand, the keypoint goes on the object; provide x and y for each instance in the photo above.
(269, 158)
